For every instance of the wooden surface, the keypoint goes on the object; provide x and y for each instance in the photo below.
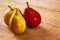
(49, 29)
(50, 4)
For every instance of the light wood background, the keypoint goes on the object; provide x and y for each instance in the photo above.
(49, 29)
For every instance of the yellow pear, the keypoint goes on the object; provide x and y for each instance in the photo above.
(8, 14)
(17, 23)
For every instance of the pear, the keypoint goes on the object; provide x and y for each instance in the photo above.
(8, 14)
(17, 23)
(32, 17)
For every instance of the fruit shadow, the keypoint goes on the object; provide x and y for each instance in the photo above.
(32, 33)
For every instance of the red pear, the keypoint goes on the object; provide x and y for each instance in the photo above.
(32, 17)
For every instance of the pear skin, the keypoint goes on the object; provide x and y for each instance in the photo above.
(32, 17)
(17, 23)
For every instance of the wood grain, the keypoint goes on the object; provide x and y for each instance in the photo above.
(49, 29)
(49, 4)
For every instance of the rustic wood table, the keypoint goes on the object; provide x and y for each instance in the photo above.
(49, 29)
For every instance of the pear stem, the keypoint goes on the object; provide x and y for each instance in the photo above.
(16, 10)
(10, 7)
(27, 4)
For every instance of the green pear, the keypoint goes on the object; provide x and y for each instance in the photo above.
(17, 23)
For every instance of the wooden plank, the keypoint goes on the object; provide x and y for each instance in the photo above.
(49, 4)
